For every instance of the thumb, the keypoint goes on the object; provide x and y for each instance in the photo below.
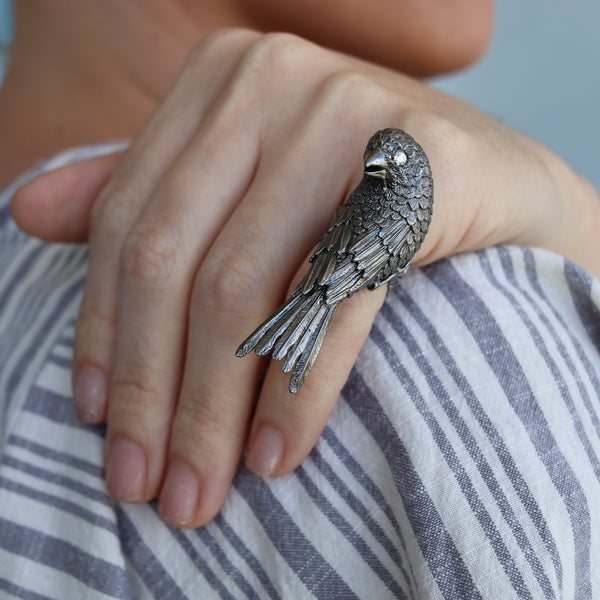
(56, 205)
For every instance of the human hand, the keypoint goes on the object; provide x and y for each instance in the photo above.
(207, 219)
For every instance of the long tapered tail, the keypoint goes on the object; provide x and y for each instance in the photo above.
(295, 332)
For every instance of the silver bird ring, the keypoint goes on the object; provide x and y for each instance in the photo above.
(371, 241)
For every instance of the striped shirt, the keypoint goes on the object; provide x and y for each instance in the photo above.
(462, 460)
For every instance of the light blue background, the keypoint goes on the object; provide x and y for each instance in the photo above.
(540, 76)
(6, 25)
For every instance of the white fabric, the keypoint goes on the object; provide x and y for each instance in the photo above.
(461, 461)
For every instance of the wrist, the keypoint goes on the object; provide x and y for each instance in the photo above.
(577, 224)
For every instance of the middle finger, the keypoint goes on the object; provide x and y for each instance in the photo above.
(243, 277)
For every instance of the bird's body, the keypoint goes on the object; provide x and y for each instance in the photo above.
(371, 241)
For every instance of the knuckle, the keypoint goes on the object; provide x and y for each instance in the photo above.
(200, 420)
(275, 54)
(196, 55)
(229, 277)
(93, 320)
(216, 42)
(205, 422)
(114, 210)
(346, 85)
(348, 90)
(441, 137)
(95, 331)
(135, 392)
(150, 253)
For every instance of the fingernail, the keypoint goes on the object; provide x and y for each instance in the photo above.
(179, 498)
(90, 394)
(266, 451)
(126, 470)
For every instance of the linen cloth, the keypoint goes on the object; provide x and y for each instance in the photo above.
(462, 460)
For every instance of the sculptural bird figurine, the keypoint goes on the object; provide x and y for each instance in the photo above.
(371, 241)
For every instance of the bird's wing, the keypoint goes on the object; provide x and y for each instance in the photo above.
(368, 255)
(365, 246)
(385, 248)
(331, 248)
(403, 227)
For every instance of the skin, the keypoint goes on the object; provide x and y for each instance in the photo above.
(251, 151)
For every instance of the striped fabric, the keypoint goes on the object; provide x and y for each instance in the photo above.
(462, 460)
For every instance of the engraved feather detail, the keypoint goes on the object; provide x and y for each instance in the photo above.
(371, 241)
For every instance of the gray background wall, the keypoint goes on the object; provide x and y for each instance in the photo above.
(540, 76)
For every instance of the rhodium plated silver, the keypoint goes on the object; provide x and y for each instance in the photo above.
(371, 241)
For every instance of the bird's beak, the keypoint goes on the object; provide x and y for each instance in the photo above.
(376, 165)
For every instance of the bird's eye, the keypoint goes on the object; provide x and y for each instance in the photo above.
(400, 157)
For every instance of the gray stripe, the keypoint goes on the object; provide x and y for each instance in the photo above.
(511, 377)
(232, 571)
(303, 558)
(349, 533)
(452, 460)
(61, 457)
(151, 572)
(580, 286)
(363, 513)
(60, 503)
(52, 269)
(502, 452)
(42, 329)
(44, 268)
(207, 539)
(248, 557)
(506, 262)
(201, 565)
(67, 339)
(18, 321)
(436, 545)
(369, 486)
(5, 215)
(57, 479)
(58, 554)
(53, 406)
(29, 351)
(57, 408)
(30, 255)
(581, 354)
(60, 361)
(20, 592)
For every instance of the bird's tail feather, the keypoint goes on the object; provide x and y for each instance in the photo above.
(310, 350)
(294, 332)
(279, 320)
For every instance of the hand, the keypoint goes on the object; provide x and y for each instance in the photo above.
(205, 223)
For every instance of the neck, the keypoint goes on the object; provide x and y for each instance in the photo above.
(84, 72)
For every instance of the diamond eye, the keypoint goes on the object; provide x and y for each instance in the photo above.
(400, 158)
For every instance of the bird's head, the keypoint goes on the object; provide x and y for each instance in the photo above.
(391, 155)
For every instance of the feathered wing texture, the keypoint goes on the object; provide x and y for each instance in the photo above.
(330, 249)
(371, 240)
